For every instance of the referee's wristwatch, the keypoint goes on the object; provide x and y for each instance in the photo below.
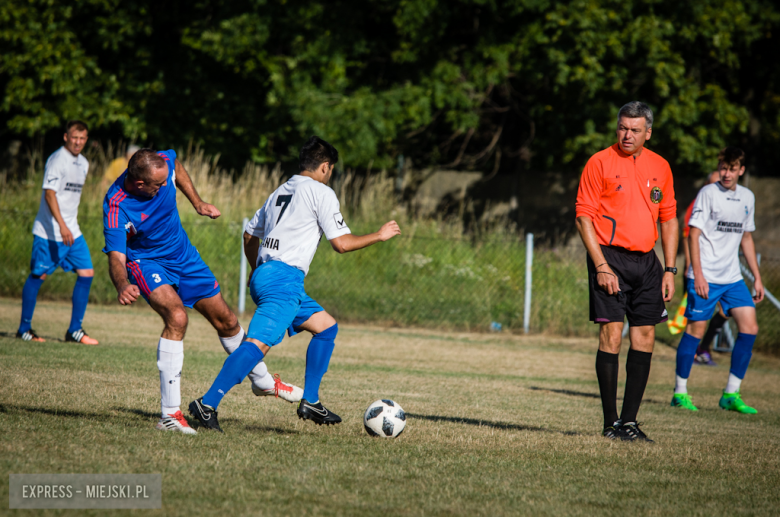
(672, 270)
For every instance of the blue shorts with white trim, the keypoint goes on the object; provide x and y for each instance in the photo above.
(729, 296)
(48, 255)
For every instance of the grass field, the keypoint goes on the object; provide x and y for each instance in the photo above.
(498, 425)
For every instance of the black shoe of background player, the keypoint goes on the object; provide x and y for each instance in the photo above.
(612, 431)
(630, 432)
(206, 415)
(317, 413)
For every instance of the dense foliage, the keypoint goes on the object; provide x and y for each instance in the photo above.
(498, 86)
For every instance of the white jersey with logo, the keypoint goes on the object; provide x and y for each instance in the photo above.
(293, 219)
(65, 174)
(722, 215)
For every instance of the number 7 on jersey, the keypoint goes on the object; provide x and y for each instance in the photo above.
(284, 202)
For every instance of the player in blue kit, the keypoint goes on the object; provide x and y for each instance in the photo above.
(150, 255)
(280, 242)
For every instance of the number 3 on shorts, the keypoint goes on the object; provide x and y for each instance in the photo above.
(157, 278)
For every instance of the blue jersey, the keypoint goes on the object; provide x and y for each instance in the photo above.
(143, 227)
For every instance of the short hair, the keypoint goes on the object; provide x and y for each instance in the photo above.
(636, 109)
(315, 152)
(141, 164)
(79, 125)
(731, 156)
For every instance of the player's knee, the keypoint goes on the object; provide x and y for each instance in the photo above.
(178, 320)
(89, 273)
(750, 328)
(330, 332)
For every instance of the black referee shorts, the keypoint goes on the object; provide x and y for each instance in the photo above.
(640, 298)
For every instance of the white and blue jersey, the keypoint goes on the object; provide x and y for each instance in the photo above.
(148, 231)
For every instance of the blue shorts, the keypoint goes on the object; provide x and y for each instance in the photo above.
(282, 304)
(729, 296)
(48, 255)
(190, 277)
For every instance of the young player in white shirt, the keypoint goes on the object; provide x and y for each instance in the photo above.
(722, 220)
(280, 243)
(57, 238)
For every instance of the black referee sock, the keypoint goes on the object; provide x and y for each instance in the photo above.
(637, 372)
(607, 373)
(716, 323)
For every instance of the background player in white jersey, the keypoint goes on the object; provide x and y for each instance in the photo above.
(57, 238)
(721, 221)
(286, 231)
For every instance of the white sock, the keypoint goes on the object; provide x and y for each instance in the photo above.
(733, 384)
(680, 385)
(259, 375)
(170, 359)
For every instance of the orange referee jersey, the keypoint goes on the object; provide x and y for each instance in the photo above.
(624, 196)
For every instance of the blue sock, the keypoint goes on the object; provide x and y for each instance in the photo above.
(236, 367)
(317, 359)
(80, 298)
(686, 351)
(740, 356)
(29, 296)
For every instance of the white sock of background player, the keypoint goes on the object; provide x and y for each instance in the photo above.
(170, 359)
(259, 375)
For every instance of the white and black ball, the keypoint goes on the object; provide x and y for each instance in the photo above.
(384, 418)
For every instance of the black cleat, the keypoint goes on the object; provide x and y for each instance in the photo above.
(630, 432)
(29, 335)
(317, 413)
(206, 415)
(612, 431)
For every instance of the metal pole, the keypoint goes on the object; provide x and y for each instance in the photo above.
(529, 261)
(242, 274)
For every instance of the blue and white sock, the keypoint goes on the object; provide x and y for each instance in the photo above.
(740, 359)
(236, 367)
(686, 352)
(317, 360)
(29, 297)
(80, 299)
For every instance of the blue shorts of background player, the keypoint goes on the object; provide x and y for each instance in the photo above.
(189, 276)
(48, 255)
(729, 295)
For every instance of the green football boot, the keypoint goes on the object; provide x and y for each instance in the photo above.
(683, 400)
(733, 402)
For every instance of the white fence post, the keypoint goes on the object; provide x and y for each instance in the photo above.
(529, 261)
(242, 274)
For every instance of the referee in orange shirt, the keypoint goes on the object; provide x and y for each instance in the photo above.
(625, 189)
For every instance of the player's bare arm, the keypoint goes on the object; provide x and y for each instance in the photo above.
(127, 293)
(54, 206)
(251, 249)
(670, 236)
(749, 250)
(184, 183)
(605, 277)
(699, 282)
(351, 242)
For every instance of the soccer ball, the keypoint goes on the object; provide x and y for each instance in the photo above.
(384, 418)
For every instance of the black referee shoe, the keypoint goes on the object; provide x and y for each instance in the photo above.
(317, 413)
(630, 432)
(206, 415)
(612, 431)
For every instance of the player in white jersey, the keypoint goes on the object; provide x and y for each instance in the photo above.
(722, 220)
(280, 243)
(57, 239)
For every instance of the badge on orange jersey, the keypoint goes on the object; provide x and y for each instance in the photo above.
(656, 195)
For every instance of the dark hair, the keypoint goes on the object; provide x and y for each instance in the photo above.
(141, 164)
(636, 109)
(79, 125)
(315, 152)
(731, 156)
